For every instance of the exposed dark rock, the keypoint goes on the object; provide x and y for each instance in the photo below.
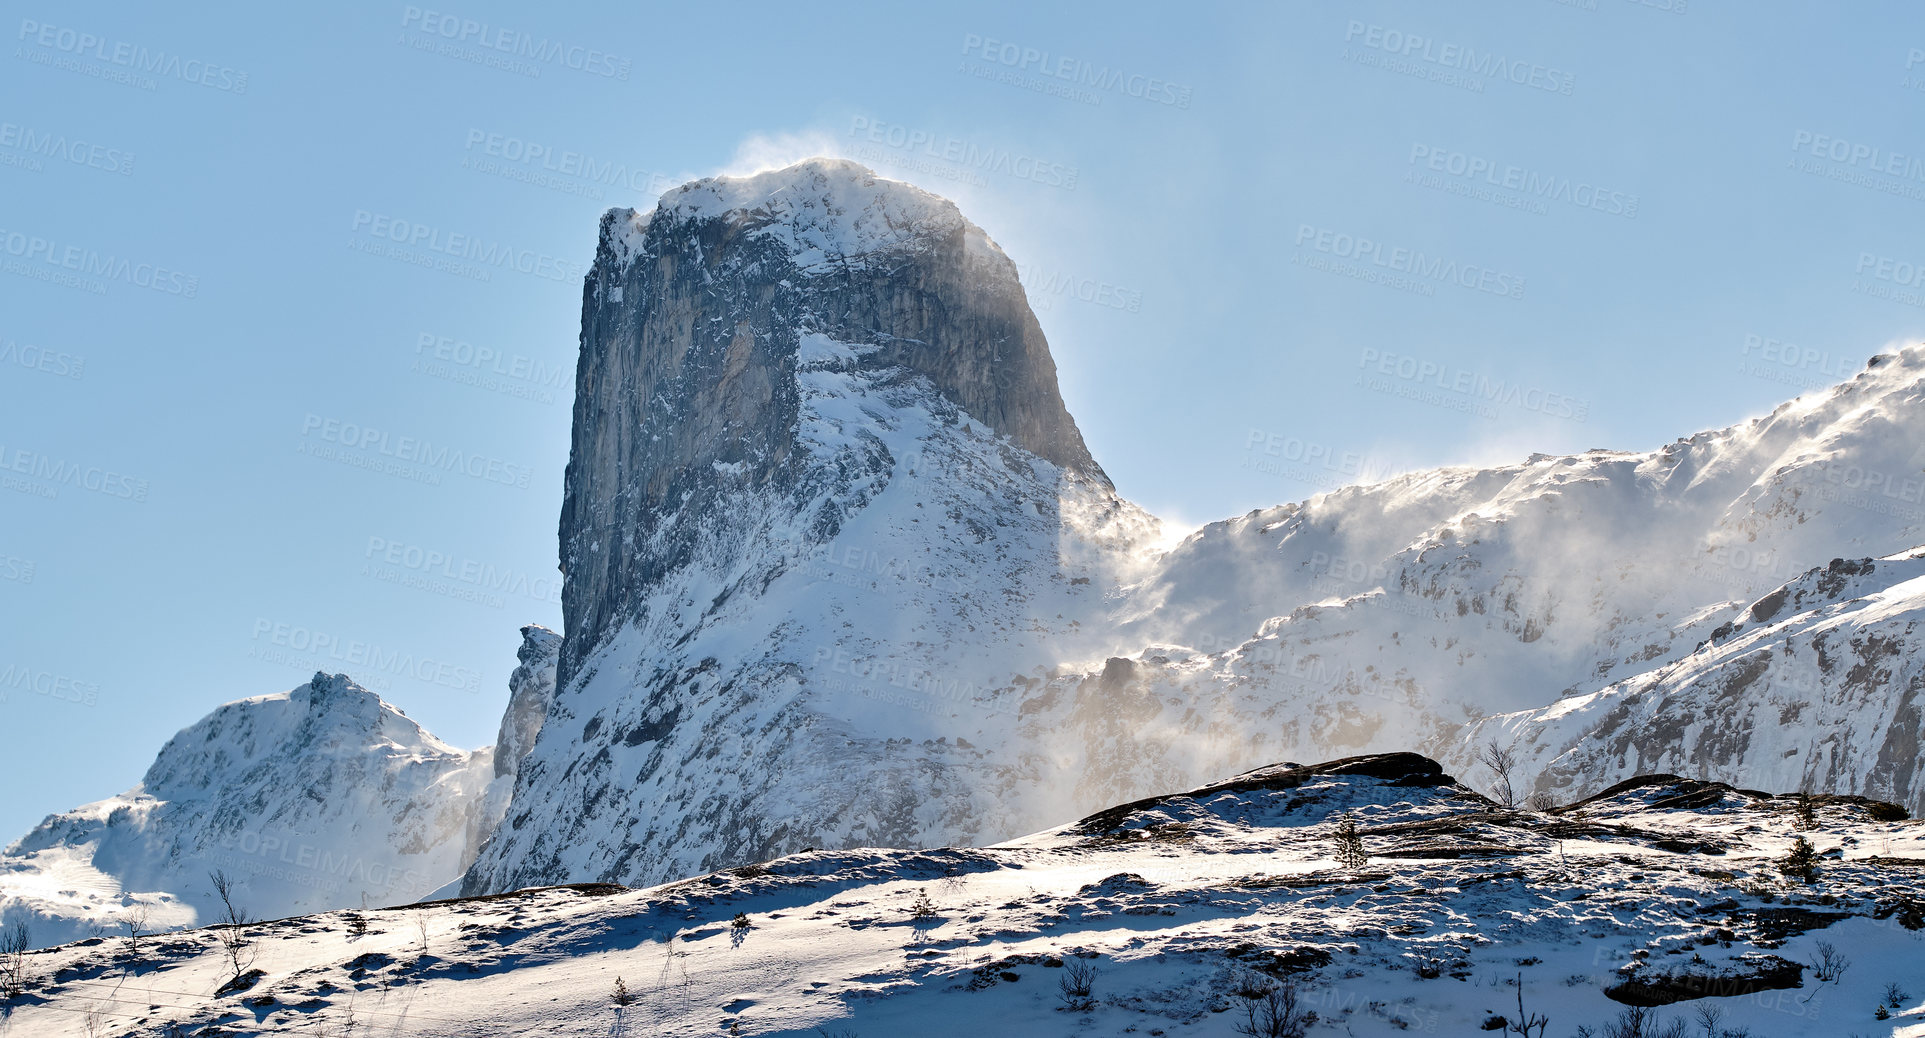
(1679, 983)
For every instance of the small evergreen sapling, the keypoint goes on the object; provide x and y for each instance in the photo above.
(1801, 863)
(1350, 844)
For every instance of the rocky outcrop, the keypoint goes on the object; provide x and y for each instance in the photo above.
(693, 321)
(531, 690)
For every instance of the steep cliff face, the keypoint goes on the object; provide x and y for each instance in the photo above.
(694, 317)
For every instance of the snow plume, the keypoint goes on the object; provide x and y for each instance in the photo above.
(766, 152)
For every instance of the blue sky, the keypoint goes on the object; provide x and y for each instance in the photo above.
(1276, 248)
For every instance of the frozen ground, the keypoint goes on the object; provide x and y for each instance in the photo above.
(1655, 891)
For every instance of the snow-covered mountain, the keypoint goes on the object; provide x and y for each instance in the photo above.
(318, 798)
(1816, 686)
(840, 571)
(824, 503)
(1183, 913)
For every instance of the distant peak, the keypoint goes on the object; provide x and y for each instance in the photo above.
(325, 684)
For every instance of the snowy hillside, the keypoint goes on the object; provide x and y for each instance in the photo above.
(1190, 914)
(317, 798)
(1816, 686)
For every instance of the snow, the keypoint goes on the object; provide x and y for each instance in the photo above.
(1176, 902)
(824, 212)
(315, 798)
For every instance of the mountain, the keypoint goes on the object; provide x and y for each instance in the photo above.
(1198, 912)
(823, 501)
(1815, 686)
(840, 571)
(318, 798)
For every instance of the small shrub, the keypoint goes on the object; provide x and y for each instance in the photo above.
(1527, 1025)
(1831, 964)
(1639, 1022)
(231, 931)
(1077, 983)
(622, 995)
(1428, 962)
(1275, 1014)
(923, 908)
(1895, 996)
(13, 959)
(1501, 759)
(135, 923)
(740, 922)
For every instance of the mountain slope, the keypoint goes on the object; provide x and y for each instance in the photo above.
(321, 797)
(1183, 909)
(1817, 686)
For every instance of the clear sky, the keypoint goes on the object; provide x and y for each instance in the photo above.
(1276, 247)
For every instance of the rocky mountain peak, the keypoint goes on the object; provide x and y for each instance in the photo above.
(701, 317)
